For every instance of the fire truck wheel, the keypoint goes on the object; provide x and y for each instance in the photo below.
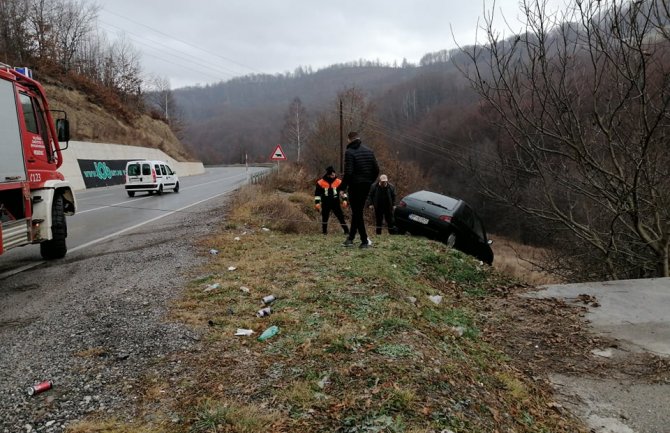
(131, 193)
(56, 247)
(160, 190)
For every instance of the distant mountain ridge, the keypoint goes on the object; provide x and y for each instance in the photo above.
(245, 115)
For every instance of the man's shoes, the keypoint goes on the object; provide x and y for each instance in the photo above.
(348, 243)
(367, 244)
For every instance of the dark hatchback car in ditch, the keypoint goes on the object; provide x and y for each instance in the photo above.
(444, 219)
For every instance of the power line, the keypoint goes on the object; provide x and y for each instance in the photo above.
(183, 41)
(171, 52)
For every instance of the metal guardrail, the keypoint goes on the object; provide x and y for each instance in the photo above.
(258, 177)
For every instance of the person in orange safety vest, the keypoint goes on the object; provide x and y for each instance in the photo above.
(327, 196)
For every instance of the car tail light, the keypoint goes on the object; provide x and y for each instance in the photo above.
(445, 218)
(153, 174)
(402, 204)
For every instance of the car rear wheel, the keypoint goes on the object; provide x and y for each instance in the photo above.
(451, 240)
(176, 187)
(160, 190)
(131, 193)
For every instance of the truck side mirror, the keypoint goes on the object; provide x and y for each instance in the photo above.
(63, 128)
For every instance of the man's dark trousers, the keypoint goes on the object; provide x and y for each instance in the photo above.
(384, 212)
(358, 194)
(325, 214)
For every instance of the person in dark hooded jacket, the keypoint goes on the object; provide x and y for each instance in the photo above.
(327, 197)
(360, 171)
(382, 198)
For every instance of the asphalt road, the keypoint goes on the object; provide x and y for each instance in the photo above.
(107, 212)
(94, 323)
(635, 313)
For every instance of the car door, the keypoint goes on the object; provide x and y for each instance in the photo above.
(465, 221)
(482, 248)
(168, 176)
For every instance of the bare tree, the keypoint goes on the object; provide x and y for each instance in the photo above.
(160, 96)
(324, 139)
(295, 126)
(14, 40)
(122, 70)
(41, 19)
(584, 101)
(73, 22)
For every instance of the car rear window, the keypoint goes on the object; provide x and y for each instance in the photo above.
(146, 169)
(134, 170)
(444, 201)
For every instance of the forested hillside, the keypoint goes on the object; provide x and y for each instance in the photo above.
(99, 83)
(557, 135)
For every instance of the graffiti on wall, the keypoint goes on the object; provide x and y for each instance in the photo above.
(97, 173)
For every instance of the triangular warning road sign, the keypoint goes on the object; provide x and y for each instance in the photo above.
(278, 154)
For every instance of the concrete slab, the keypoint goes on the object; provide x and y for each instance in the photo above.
(636, 313)
(633, 311)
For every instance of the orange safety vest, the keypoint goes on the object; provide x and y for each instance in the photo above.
(325, 185)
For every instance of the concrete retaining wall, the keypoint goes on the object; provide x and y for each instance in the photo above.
(109, 152)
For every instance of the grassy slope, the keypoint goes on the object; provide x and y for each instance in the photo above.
(361, 347)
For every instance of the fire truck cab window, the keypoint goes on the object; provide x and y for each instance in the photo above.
(29, 114)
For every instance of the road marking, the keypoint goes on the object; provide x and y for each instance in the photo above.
(104, 238)
(20, 269)
(93, 196)
(135, 200)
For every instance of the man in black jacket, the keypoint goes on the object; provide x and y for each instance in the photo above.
(382, 198)
(360, 171)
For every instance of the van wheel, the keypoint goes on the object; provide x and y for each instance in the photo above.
(131, 193)
(160, 190)
(56, 247)
(176, 187)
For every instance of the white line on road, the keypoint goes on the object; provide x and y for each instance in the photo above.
(135, 200)
(20, 269)
(104, 238)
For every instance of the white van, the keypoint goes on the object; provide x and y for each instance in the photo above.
(150, 176)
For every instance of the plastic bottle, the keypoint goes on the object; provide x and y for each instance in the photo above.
(269, 333)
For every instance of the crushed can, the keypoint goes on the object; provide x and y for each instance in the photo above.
(263, 312)
(40, 387)
(269, 299)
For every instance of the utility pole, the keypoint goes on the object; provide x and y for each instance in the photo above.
(341, 140)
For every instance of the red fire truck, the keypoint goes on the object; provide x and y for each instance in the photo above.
(34, 196)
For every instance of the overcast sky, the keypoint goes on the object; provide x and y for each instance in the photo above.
(206, 41)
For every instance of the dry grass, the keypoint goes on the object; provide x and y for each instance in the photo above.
(353, 354)
(361, 346)
(517, 260)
